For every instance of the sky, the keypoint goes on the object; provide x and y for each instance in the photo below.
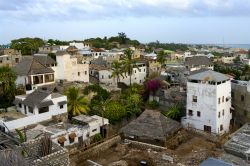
(178, 21)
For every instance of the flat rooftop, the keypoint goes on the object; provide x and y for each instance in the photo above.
(11, 115)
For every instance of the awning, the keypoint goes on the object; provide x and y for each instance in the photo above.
(62, 139)
(72, 135)
(45, 104)
(62, 102)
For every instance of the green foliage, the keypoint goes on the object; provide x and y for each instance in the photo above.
(28, 46)
(153, 104)
(128, 63)
(114, 111)
(57, 42)
(52, 55)
(21, 136)
(161, 57)
(7, 86)
(174, 112)
(217, 54)
(97, 137)
(77, 104)
(116, 70)
(168, 46)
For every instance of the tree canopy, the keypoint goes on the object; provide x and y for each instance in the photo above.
(28, 46)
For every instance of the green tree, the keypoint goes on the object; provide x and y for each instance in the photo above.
(114, 111)
(161, 58)
(128, 63)
(174, 112)
(28, 46)
(52, 55)
(116, 70)
(77, 104)
(7, 86)
(133, 104)
(122, 37)
(22, 137)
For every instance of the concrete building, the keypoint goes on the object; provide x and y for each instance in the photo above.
(241, 102)
(38, 106)
(208, 102)
(228, 58)
(97, 52)
(70, 69)
(198, 62)
(104, 74)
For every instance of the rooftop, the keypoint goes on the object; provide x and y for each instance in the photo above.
(214, 162)
(209, 75)
(198, 60)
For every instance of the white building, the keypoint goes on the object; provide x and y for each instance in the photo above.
(208, 102)
(104, 75)
(68, 68)
(80, 45)
(33, 108)
(31, 73)
(97, 52)
(228, 58)
(246, 61)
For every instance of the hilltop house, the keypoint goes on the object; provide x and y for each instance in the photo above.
(208, 102)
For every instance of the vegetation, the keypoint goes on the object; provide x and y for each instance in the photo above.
(21, 136)
(217, 54)
(236, 72)
(152, 86)
(114, 111)
(167, 46)
(128, 63)
(153, 104)
(97, 137)
(57, 42)
(28, 46)
(161, 58)
(174, 112)
(7, 86)
(117, 70)
(52, 55)
(77, 104)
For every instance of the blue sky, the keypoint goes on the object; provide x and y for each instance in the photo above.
(180, 21)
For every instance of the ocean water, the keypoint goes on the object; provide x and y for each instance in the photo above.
(243, 46)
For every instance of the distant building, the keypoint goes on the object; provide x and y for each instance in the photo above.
(208, 102)
(198, 62)
(228, 58)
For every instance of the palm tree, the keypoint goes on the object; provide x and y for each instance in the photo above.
(174, 112)
(77, 104)
(117, 70)
(161, 58)
(128, 63)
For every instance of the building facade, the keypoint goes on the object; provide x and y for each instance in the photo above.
(208, 102)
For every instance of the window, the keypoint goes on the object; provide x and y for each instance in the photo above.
(140, 81)
(195, 99)
(61, 106)
(221, 127)
(219, 115)
(207, 129)
(219, 100)
(85, 72)
(223, 112)
(79, 73)
(190, 112)
(144, 70)
(102, 77)
(43, 110)
(198, 113)
(134, 71)
(94, 130)
(242, 98)
(222, 99)
(20, 105)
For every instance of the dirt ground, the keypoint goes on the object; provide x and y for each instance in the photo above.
(191, 152)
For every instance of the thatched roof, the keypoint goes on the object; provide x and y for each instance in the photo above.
(152, 125)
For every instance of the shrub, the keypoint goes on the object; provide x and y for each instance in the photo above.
(153, 104)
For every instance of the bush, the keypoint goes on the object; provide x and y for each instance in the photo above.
(153, 104)
(97, 138)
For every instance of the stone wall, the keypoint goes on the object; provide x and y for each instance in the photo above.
(144, 146)
(81, 154)
(59, 155)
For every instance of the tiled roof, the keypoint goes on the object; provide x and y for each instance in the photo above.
(198, 60)
(30, 66)
(97, 67)
(45, 60)
(36, 99)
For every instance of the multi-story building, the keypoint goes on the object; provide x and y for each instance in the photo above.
(70, 69)
(31, 74)
(241, 102)
(208, 102)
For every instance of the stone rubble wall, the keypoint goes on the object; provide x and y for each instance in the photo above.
(144, 146)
